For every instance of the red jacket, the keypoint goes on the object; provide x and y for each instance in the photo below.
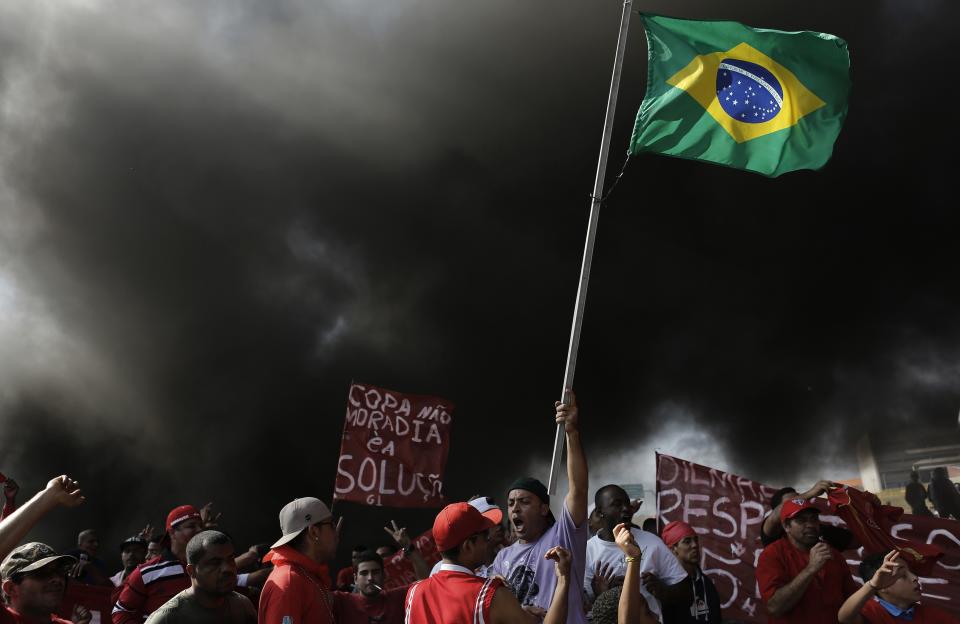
(295, 588)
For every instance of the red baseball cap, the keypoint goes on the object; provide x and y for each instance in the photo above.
(181, 514)
(455, 523)
(792, 506)
(676, 531)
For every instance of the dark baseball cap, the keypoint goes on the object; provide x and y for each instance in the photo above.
(30, 557)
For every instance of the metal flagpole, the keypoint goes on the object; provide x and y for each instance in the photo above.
(588, 247)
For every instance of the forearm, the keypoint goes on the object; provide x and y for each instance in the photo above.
(18, 524)
(420, 567)
(632, 608)
(577, 477)
(789, 595)
(557, 614)
(771, 524)
(850, 610)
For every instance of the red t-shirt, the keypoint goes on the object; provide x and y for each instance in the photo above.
(358, 609)
(454, 595)
(874, 613)
(148, 587)
(781, 562)
(9, 616)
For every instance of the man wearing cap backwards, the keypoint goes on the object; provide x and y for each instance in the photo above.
(161, 578)
(705, 607)
(294, 592)
(664, 579)
(528, 506)
(211, 598)
(33, 575)
(802, 580)
(455, 595)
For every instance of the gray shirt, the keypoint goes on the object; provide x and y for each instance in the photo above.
(185, 608)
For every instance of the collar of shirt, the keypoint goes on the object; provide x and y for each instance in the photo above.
(895, 611)
(452, 567)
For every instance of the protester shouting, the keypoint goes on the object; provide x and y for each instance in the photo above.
(295, 592)
(802, 580)
(455, 595)
(537, 531)
(211, 598)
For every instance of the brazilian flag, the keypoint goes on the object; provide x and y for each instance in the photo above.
(763, 100)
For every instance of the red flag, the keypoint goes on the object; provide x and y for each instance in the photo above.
(871, 522)
(394, 448)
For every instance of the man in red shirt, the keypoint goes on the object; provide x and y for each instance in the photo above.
(802, 580)
(890, 596)
(295, 591)
(455, 595)
(159, 579)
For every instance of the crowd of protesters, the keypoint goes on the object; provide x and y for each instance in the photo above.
(524, 566)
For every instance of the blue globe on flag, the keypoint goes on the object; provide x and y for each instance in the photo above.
(748, 92)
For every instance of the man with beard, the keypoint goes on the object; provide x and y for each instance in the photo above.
(683, 541)
(664, 579)
(522, 564)
(210, 599)
(802, 580)
(371, 602)
(890, 595)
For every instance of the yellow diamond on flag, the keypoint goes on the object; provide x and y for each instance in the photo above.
(748, 93)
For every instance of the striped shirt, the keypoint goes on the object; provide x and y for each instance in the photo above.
(148, 587)
(454, 595)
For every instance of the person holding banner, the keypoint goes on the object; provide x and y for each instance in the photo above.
(455, 595)
(528, 504)
(802, 580)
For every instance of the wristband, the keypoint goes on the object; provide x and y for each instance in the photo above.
(629, 559)
(872, 586)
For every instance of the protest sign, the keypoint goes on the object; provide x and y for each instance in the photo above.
(726, 511)
(394, 448)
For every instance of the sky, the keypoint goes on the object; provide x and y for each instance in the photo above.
(214, 215)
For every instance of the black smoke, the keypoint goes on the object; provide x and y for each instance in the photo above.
(215, 217)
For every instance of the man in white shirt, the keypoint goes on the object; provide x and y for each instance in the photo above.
(664, 578)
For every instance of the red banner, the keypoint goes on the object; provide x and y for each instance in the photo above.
(398, 571)
(394, 448)
(726, 511)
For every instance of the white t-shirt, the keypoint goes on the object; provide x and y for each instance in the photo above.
(655, 558)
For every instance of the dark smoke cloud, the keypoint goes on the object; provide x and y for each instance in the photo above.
(215, 215)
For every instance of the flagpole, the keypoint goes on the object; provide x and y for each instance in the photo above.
(595, 201)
